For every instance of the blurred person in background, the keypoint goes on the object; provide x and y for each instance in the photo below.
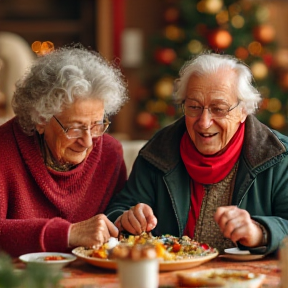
(59, 168)
(217, 174)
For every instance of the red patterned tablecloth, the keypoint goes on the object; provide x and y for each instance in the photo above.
(83, 275)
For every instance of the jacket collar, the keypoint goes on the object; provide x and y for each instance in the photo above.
(260, 145)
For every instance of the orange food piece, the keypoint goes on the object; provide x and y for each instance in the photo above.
(160, 250)
(100, 253)
(54, 258)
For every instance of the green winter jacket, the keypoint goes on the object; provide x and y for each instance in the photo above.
(159, 179)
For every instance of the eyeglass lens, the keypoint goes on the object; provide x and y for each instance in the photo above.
(193, 109)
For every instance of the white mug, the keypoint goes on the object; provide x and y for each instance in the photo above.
(142, 273)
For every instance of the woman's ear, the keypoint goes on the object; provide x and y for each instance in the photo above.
(40, 128)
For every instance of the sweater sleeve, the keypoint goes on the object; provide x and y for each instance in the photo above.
(21, 236)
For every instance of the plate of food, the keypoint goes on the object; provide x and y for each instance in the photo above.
(240, 255)
(220, 278)
(174, 253)
(54, 260)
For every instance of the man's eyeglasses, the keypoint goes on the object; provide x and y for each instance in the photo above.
(96, 130)
(193, 108)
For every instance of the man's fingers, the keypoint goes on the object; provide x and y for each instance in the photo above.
(126, 224)
(112, 229)
(135, 221)
(148, 220)
(152, 222)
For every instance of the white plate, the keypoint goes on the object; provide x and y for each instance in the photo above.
(84, 254)
(39, 258)
(220, 278)
(242, 257)
(237, 251)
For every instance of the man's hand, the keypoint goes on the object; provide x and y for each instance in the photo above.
(237, 225)
(137, 219)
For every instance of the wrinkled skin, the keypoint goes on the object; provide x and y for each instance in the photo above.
(82, 113)
(210, 137)
(92, 232)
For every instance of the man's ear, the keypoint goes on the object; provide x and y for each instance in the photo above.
(40, 128)
(243, 118)
(243, 115)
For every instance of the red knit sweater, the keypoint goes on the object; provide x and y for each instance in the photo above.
(37, 205)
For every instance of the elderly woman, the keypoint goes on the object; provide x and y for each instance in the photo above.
(58, 168)
(217, 174)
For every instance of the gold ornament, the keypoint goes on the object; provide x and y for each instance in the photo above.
(262, 14)
(213, 6)
(277, 121)
(164, 88)
(274, 105)
(42, 48)
(234, 9)
(195, 46)
(259, 70)
(237, 21)
(222, 17)
(173, 33)
(255, 48)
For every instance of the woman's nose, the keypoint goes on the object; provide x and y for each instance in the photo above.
(86, 139)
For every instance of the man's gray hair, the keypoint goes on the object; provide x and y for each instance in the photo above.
(208, 63)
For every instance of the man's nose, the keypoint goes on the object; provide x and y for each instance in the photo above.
(205, 119)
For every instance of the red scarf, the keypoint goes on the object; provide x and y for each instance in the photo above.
(207, 170)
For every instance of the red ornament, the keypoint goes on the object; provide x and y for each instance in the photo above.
(220, 39)
(264, 33)
(171, 14)
(242, 53)
(268, 60)
(146, 120)
(165, 55)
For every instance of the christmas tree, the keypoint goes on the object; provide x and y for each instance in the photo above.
(239, 28)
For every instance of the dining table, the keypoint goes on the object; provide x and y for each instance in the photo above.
(80, 274)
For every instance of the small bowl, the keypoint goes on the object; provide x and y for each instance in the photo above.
(39, 258)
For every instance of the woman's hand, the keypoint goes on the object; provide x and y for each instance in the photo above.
(237, 225)
(137, 219)
(93, 232)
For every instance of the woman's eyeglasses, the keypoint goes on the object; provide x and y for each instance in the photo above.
(96, 130)
(193, 108)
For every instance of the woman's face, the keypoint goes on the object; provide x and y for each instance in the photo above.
(82, 114)
(211, 134)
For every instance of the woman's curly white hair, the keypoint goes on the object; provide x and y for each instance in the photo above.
(208, 63)
(56, 80)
